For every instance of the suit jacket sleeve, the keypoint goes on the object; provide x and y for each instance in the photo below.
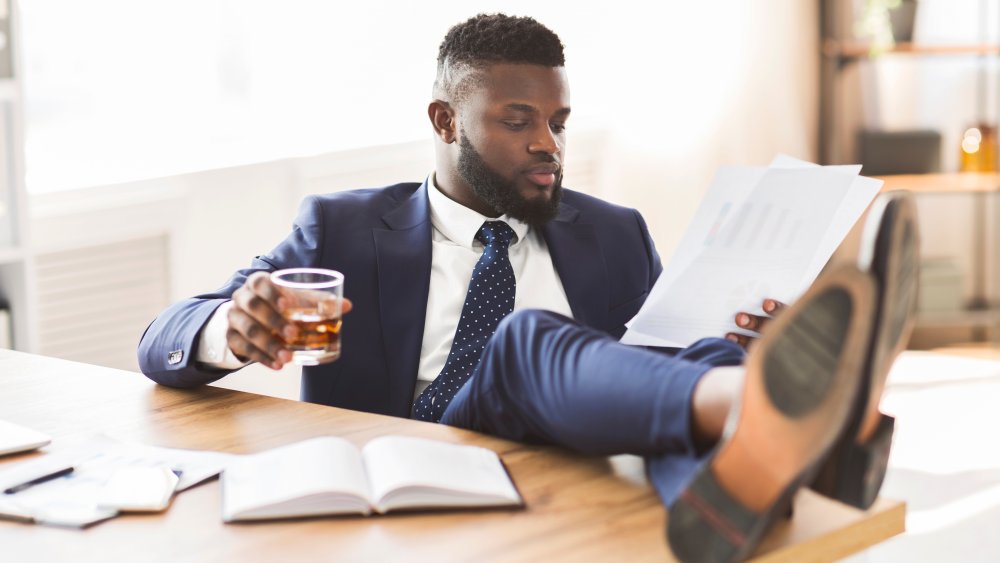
(167, 349)
(655, 267)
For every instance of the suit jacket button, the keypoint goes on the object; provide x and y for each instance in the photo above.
(175, 357)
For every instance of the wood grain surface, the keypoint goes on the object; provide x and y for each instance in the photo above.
(578, 508)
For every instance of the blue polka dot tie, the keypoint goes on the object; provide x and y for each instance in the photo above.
(490, 299)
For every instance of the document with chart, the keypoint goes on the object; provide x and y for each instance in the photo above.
(759, 233)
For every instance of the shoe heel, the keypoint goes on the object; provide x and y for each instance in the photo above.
(857, 476)
(707, 524)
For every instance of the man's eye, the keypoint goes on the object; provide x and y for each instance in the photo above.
(515, 125)
(557, 127)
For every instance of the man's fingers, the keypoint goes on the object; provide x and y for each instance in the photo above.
(260, 284)
(248, 338)
(750, 322)
(346, 306)
(755, 323)
(261, 300)
(246, 351)
(741, 339)
(772, 306)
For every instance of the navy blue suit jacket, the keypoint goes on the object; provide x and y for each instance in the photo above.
(381, 240)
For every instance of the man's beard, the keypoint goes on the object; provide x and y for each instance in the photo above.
(500, 193)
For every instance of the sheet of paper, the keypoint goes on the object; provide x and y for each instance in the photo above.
(194, 466)
(862, 192)
(139, 489)
(15, 438)
(74, 499)
(730, 188)
(759, 233)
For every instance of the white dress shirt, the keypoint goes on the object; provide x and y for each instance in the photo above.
(454, 254)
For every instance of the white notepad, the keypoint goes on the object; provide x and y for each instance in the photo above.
(329, 475)
(15, 438)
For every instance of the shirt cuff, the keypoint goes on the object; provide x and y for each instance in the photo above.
(213, 349)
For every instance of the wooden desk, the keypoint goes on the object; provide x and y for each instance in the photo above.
(578, 508)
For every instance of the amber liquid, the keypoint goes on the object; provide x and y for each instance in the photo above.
(318, 335)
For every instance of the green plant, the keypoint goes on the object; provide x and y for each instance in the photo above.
(875, 25)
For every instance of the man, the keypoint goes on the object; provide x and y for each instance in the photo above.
(499, 116)
(501, 103)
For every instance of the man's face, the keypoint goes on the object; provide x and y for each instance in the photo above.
(512, 140)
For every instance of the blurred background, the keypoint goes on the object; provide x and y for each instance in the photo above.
(151, 148)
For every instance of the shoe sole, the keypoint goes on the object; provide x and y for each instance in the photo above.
(857, 465)
(801, 382)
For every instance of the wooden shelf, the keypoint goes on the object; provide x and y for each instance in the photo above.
(850, 50)
(957, 182)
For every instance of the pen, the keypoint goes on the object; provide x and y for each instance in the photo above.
(38, 480)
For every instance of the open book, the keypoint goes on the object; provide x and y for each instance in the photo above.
(329, 475)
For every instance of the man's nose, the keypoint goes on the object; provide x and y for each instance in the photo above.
(545, 141)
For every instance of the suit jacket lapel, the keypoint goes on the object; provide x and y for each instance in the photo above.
(403, 253)
(579, 260)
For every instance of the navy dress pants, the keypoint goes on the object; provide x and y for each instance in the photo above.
(545, 378)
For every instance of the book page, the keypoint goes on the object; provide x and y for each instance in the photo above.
(416, 472)
(317, 476)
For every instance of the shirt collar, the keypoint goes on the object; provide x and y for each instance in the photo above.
(458, 223)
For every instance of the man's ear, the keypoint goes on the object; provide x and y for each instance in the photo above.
(443, 120)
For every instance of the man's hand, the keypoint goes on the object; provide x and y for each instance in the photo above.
(257, 329)
(755, 323)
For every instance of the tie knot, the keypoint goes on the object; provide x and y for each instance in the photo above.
(495, 233)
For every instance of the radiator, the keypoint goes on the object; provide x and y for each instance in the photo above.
(95, 301)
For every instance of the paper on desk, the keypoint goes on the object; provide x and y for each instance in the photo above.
(195, 466)
(75, 499)
(15, 438)
(759, 233)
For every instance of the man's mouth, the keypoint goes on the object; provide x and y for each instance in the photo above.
(543, 175)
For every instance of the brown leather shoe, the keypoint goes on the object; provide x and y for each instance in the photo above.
(801, 383)
(855, 469)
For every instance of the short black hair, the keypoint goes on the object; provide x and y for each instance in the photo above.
(491, 38)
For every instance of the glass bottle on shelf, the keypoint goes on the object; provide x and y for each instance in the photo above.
(979, 149)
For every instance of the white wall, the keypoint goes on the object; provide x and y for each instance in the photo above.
(716, 83)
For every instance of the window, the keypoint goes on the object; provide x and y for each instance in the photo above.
(118, 90)
(121, 90)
